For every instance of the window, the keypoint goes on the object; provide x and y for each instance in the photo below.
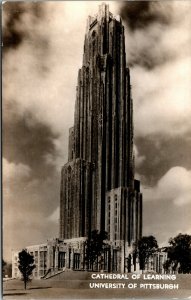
(76, 261)
(45, 255)
(115, 204)
(93, 43)
(108, 200)
(114, 260)
(61, 259)
(93, 34)
(69, 258)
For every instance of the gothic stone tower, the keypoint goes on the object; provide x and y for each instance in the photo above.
(98, 190)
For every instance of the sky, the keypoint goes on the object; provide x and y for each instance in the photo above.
(42, 52)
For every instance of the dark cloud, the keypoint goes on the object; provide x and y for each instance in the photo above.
(148, 60)
(30, 194)
(13, 12)
(161, 154)
(13, 31)
(140, 14)
(28, 142)
(28, 203)
(146, 22)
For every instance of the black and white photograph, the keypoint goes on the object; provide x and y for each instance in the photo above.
(96, 149)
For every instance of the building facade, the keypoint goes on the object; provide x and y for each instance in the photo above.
(57, 256)
(156, 261)
(98, 189)
(53, 257)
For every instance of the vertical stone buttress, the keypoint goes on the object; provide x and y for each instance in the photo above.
(100, 159)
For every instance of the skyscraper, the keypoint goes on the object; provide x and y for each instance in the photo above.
(98, 190)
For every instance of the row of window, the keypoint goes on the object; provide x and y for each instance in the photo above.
(115, 216)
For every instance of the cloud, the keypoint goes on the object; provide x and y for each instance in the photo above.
(43, 80)
(155, 42)
(140, 14)
(161, 154)
(163, 99)
(139, 159)
(27, 204)
(12, 171)
(13, 33)
(28, 142)
(158, 46)
(164, 219)
(174, 186)
(54, 217)
(42, 83)
(167, 205)
(13, 175)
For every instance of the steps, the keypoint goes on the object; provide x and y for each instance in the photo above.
(76, 280)
(69, 275)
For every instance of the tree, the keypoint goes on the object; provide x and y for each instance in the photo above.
(179, 253)
(144, 248)
(3, 266)
(6, 268)
(26, 265)
(94, 247)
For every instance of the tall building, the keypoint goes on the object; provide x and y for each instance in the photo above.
(98, 190)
